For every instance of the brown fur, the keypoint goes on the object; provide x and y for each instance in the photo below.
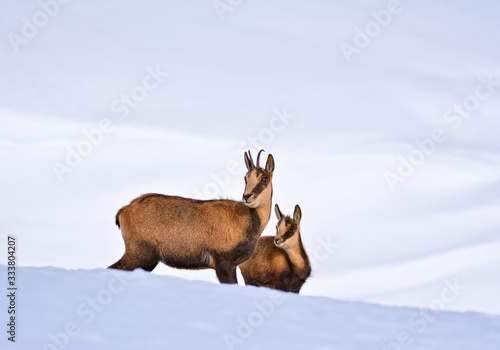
(195, 234)
(279, 262)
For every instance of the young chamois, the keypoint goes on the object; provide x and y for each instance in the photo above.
(197, 234)
(279, 262)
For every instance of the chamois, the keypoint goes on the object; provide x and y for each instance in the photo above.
(187, 233)
(279, 262)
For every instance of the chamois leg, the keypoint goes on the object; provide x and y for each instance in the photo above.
(136, 256)
(226, 273)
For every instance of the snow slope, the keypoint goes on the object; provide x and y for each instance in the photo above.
(102, 309)
(269, 75)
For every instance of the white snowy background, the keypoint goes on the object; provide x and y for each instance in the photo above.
(382, 117)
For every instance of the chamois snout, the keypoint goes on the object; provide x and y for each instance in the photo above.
(246, 197)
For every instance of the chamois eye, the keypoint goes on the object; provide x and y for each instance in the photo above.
(264, 179)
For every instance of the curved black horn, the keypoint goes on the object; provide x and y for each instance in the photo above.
(250, 157)
(258, 157)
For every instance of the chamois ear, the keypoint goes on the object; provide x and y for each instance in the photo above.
(278, 212)
(297, 214)
(270, 164)
(249, 161)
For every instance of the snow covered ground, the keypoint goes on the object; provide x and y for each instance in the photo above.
(382, 117)
(102, 309)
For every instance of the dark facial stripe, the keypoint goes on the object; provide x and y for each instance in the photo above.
(260, 187)
(290, 232)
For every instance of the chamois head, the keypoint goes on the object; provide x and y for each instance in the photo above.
(258, 180)
(287, 229)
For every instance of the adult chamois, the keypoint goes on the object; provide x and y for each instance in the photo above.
(279, 262)
(187, 233)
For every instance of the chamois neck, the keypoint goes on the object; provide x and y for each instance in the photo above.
(264, 211)
(298, 257)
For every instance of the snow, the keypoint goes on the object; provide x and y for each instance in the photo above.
(104, 309)
(272, 75)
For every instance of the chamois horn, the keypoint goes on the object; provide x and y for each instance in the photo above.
(250, 157)
(258, 157)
